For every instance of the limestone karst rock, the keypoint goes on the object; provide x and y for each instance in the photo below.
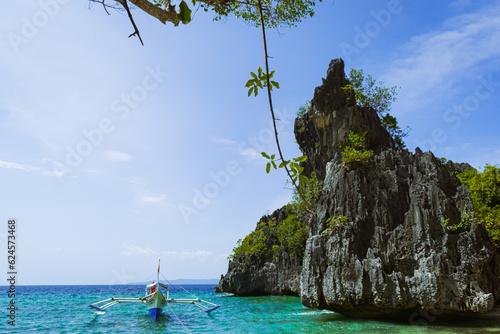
(395, 254)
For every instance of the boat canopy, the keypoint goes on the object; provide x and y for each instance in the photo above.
(161, 284)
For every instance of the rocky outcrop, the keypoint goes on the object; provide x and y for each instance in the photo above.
(396, 253)
(331, 116)
(279, 276)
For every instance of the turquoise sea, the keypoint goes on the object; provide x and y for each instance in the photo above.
(64, 309)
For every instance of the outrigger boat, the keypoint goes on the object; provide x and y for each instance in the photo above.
(155, 300)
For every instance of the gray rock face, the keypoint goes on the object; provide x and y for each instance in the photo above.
(394, 255)
(281, 276)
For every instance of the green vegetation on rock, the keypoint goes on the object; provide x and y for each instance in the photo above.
(368, 94)
(353, 150)
(467, 218)
(336, 222)
(484, 188)
(257, 246)
(263, 244)
(303, 109)
(292, 234)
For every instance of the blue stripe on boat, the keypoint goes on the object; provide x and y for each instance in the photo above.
(212, 308)
(97, 308)
(154, 313)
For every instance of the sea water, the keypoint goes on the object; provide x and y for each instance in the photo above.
(64, 309)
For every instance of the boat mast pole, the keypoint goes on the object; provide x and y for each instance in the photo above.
(158, 277)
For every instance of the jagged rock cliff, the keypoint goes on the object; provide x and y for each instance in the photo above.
(331, 116)
(395, 254)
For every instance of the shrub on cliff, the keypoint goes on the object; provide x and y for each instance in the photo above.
(484, 188)
(353, 150)
(292, 234)
(263, 244)
(368, 94)
(311, 189)
(257, 246)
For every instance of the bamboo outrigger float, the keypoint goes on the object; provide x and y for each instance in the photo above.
(155, 300)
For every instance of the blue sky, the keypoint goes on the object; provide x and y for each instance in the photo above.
(114, 155)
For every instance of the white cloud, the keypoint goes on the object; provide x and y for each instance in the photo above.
(429, 63)
(135, 250)
(200, 254)
(153, 199)
(224, 141)
(12, 165)
(173, 255)
(117, 156)
(250, 153)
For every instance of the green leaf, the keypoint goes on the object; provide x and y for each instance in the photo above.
(184, 14)
(194, 2)
(301, 159)
(284, 163)
(264, 154)
(268, 167)
(274, 164)
(272, 156)
(275, 84)
(254, 76)
(259, 84)
(302, 180)
(250, 91)
(249, 83)
(260, 72)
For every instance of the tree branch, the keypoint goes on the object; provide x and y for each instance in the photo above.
(301, 194)
(164, 15)
(136, 30)
(168, 14)
(106, 6)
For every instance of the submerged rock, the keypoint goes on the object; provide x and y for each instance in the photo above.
(396, 253)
